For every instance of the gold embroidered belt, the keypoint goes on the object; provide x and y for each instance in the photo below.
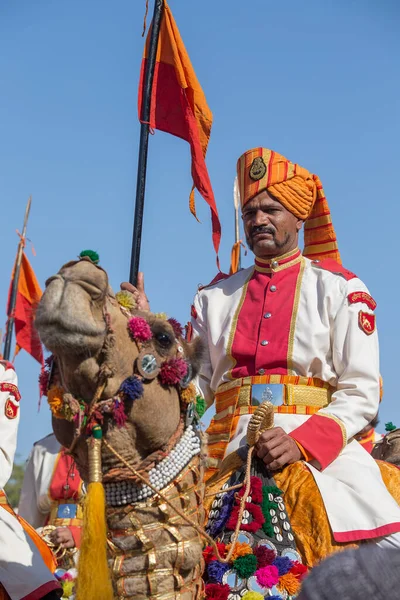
(65, 513)
(288, 393)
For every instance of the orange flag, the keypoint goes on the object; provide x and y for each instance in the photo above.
(178, 106)
(28, 296)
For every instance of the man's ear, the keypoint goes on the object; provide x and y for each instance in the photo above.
(299, 224)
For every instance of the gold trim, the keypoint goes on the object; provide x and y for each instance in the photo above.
(268, 261)
(280, 267)
(244, 395)
(339, 422)
(273, 378)
(234, 324)
(294, 318)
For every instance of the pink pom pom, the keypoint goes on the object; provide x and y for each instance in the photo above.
(267, 577)
(177, 327)
(140, 329)
(172, 371)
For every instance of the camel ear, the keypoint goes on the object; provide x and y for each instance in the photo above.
(195, 351)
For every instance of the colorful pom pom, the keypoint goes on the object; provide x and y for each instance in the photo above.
(267, 577)
(189, 394)
(390, 427)
(177, 327)
(255, 489)
(290, 583)
(265, 556)
(216, 570)
(217, 591)
(299, 570)
(132, 388)
(139, 329)
(119, 414)
(283, 564)
(209, 553)
(253, 596)
(245, 566)
(126, 300)
(55, 400)
(172, 371)
(200, 406)
(241, 549)
(163, 316)
(94, 257)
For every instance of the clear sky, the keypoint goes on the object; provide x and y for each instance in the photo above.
(317, 81)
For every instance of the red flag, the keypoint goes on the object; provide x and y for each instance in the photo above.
(178, 106)
(28, 296)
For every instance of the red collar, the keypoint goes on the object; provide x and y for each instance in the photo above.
(273, 265)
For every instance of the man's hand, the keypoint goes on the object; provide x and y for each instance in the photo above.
(277, 448)
(138, 292)
(62, 536)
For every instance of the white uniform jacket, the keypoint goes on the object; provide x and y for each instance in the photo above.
(292, 317)
(22, 570)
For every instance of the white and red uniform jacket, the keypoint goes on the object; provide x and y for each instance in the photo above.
(51, 482)
(23, 573)
(301, 320)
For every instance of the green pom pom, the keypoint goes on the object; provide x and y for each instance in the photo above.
(245, 566)
(94, 257)
(97, 432)
(389, 426)
(200, 406)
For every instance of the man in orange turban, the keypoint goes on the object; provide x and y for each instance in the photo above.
(299, 330)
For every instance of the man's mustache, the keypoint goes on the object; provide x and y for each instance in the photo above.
(262, 229)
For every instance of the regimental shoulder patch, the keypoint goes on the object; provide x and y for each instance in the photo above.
(367, 322)
(356, 297)
(334, 267)
(11, 409)
(11, 388)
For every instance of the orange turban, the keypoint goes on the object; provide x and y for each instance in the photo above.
(297, 190)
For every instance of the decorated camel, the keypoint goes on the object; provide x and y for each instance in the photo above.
(120, 391)
(120, 380)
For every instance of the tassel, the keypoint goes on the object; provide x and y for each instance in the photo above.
(93, 574)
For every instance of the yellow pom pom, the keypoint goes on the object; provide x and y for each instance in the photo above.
(56, 403)
(241, 549)
(290, 583)
(253, 596)
(188, 394)
(125, 299)
(161, 315)
(68, 588)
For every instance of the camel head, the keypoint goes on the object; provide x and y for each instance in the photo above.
(136, 363)
(388, 449)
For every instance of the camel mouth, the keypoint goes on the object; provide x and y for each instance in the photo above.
(57, 332)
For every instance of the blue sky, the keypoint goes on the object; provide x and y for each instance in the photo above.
(315, 81)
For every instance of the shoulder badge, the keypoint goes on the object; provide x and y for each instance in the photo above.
(11, 409)
(356, 297)
(334, 267)
(366, 322)
(11, 388)
(258, 169)
(193, 312)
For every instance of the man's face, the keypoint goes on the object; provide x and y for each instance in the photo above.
(270, 229)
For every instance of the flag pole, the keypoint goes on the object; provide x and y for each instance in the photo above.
(14, 287)
(144, 141)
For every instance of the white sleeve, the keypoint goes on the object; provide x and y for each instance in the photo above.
(9, 420)
(355, 353)
(28, 502)
(199, 324)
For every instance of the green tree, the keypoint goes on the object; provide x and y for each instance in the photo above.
(14, 484)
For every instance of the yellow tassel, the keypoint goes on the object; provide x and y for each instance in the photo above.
(93, 574)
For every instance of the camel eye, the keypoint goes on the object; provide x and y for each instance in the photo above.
(164, 340)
